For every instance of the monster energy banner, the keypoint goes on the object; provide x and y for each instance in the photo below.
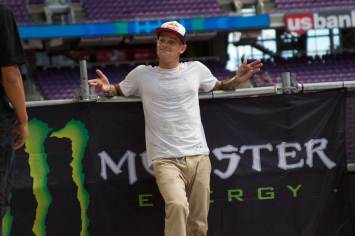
(279, 168)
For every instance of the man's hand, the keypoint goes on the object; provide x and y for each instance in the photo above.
(246, 71)
(102, 82)
(20, 133)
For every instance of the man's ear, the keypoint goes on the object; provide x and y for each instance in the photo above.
(184, 47)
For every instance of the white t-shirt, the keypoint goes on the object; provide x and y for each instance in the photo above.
(173, 125)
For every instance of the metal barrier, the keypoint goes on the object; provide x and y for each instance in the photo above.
(244, 92)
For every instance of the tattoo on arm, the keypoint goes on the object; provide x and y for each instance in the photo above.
(229, 84)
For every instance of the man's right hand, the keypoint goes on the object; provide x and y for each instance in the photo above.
(102, 82)
(20, 133)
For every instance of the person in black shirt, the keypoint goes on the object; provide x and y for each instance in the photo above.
(13, 115)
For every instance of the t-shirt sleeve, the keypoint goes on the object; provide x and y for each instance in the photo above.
(207, 79)
(130, 86)
(10, 44)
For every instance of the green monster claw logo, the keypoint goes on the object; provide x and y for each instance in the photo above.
(39, 170)
(77, 133)
(7, 221)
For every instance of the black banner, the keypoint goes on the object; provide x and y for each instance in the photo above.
(278, 168)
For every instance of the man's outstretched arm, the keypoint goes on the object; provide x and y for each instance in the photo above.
(244, 73)
(103, 84)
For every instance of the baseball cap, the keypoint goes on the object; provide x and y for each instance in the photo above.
(173, 27)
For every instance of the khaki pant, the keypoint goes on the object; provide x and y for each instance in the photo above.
(184, 183)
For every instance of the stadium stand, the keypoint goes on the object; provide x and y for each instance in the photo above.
(19, 8)
(43, 1)
(319, 69)
(315, 5)
(110, 10)
(307, 69)
(58, 83)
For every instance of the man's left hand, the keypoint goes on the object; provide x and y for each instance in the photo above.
(246, 71)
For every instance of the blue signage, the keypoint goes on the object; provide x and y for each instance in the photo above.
(142, 27)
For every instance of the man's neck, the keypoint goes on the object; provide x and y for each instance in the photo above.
(168, 65)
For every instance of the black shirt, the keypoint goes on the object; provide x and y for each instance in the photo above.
(11, 51)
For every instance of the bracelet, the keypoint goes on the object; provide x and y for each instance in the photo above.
(222, 84)
(117, 89)
(111, 91)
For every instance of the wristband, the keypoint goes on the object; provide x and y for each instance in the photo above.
(111, 91)
(117, 89)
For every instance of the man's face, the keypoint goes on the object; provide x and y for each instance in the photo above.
(169, 47)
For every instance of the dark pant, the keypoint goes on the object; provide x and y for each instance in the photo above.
(6, 159)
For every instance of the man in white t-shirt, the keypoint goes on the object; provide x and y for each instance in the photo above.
(175, 139)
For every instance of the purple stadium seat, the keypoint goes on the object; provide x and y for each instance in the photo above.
(109, 10)
(315, 5)
(329, 68)
(19, 8)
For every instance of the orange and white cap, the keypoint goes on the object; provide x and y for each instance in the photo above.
(173, 27)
